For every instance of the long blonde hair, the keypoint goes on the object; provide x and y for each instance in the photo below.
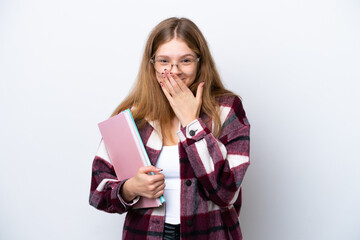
(147, 98)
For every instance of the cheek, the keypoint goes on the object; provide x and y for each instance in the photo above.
(189, 81)
(191, 78)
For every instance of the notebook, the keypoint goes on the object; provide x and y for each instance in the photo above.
(126, 150)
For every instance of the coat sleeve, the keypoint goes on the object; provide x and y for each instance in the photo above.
(105, 187)
(219, 164)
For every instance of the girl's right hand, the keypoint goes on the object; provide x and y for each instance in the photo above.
(144, 184)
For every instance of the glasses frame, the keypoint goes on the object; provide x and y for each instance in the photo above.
(152, 60)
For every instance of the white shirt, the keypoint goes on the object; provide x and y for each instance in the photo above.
(169, 161)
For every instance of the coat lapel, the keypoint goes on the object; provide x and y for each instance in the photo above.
(152, 139)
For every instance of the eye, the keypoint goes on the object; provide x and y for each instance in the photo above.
(186, 61)
(162, 61)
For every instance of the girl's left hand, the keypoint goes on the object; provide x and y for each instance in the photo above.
(185, 105)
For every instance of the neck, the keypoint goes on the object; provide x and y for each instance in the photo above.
(173, 129)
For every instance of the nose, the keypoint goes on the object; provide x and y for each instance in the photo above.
(175, 69)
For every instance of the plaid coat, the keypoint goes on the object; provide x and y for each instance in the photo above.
(211, 172)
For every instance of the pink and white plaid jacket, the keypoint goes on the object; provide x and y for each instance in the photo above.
(211, 171)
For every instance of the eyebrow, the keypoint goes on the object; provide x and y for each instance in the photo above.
(186, 55)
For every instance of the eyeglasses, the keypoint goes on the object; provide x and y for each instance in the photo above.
(184, 65)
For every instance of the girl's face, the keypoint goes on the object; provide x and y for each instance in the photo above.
(178, 58)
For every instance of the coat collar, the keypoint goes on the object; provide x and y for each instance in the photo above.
(154, 140)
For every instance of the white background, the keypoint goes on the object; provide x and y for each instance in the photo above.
(65, 65)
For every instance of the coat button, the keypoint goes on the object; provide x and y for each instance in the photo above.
(188, 182)
(192, 133)
(188, 223)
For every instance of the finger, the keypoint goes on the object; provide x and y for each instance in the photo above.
(199, 92)
(149, 168)
(171, 77)
(160, 190)
(168, 84)
(149, 195)
(156, 184)
(163, 80)
(154, 187)
(174, 81)
(159, 187)
(165, 91)
(179, 82)
(157, 177)
(155, 195)
(159, 194)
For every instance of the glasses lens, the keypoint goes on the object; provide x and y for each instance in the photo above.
(161, 64)
(187, 62)
(184, 65)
